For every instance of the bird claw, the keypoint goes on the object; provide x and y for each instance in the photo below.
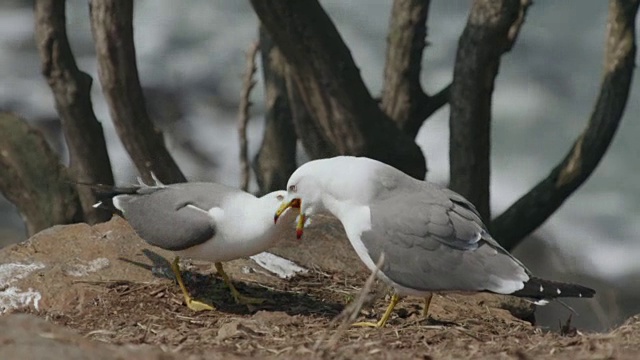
(368, 324)
(196, 305)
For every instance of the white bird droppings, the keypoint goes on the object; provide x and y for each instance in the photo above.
(12, 297)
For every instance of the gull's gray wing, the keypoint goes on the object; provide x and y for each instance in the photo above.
(161, 216)
(433, 239)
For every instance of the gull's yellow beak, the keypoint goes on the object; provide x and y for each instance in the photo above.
(300, 225)
(295, 203)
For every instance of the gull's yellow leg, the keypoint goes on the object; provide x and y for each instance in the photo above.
(239, 298)
(394, 300)
(427, 303)
(191, 304)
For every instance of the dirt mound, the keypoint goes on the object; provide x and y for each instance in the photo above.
(106, 294)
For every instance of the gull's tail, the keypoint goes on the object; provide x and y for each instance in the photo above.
(540, 290)
(106, 193)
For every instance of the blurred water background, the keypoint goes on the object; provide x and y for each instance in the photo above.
(191, 56)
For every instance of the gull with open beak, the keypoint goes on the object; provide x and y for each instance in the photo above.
(432, 239)
(294, 204)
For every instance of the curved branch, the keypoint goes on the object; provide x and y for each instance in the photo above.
(546, 197)
(89, 160)
(330, 85)
(33, 179)
(243, 114)
(427, 105)
(490, 31)
(112, 28)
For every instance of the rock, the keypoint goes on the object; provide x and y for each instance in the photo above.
(54, 269)
(29, 337)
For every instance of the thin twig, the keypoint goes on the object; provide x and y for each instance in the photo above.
(351, 311)
(243, 114)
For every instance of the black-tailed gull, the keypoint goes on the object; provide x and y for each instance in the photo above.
(432, 238)
(202, 221)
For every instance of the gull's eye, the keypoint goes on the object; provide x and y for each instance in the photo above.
(293, 188)
(279, 197)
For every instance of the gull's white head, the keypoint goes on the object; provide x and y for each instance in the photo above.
(317, 185)
(274, 199)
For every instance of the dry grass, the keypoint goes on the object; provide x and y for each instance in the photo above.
(303, 318)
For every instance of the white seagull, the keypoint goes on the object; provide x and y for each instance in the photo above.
(431, 238)
(202, 221)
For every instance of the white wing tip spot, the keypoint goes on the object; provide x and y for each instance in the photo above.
(541, 288)
(558, 291)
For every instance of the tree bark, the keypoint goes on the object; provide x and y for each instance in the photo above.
(403, 98)
(112, 28)
(315, 141)
(330, 86)
(276, 159)
(89, 161)
(491, 30)
(32, 178)
(539, 203)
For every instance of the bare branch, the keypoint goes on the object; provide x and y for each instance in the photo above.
(33, 179)
(276, 159)
(539, 203)
(243, 114)
(427, 105)
(490, 32)
(112, 27)
(89, 160)
(331, 88)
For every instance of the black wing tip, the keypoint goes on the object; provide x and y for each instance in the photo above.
(541, 289)
(105, 193)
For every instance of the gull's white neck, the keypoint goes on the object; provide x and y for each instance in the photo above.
(249, 219)
(355, 218)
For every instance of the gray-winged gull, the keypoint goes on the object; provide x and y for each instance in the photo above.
(203, 221)
(431, 238)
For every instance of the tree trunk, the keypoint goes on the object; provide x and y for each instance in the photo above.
(490, 31)
(330, 86)
(276, 159)
(89, 161)
(32, 178)
(403, 99)
(112, 27)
